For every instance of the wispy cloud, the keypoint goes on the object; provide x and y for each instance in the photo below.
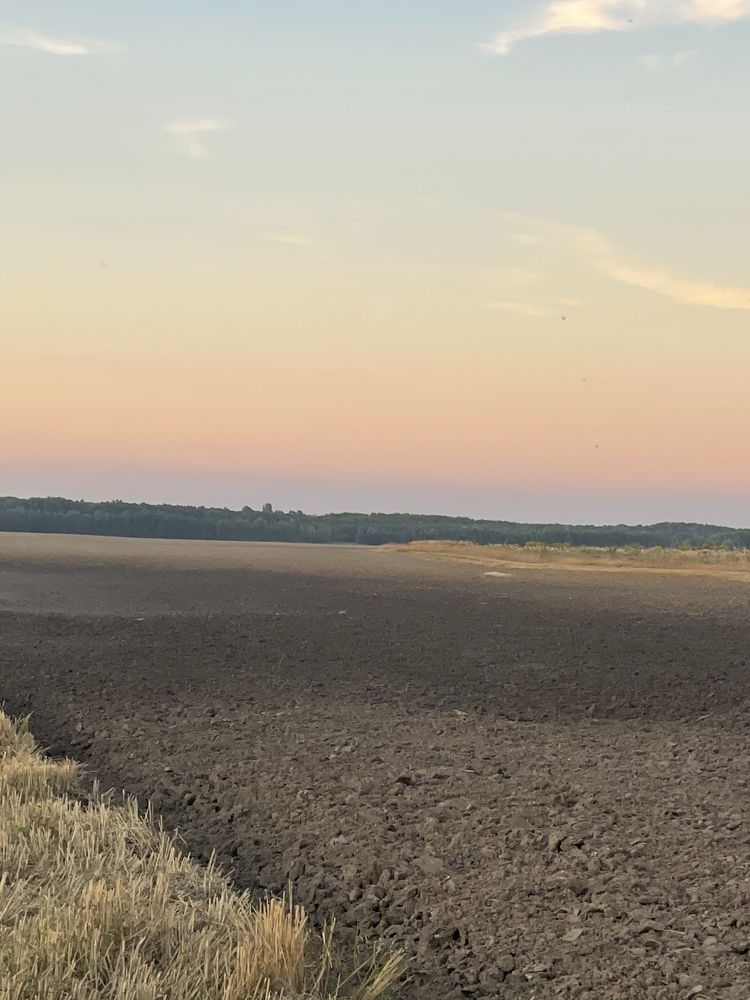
(656, 62)
(27, 38)
(587, 17)
(291, 239)
(519, 308)
(596, 252)
(514, 287)
(190, 133)
(525, 239)
(687, 291)
(516, 276)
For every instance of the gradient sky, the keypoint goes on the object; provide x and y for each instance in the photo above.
(487, 258)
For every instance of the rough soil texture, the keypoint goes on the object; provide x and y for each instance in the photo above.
(538, 785)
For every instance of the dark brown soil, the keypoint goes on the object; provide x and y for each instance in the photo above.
(538, 785)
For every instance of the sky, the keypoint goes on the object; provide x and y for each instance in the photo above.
(450, 256)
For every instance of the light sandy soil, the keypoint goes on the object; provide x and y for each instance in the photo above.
(729, 564)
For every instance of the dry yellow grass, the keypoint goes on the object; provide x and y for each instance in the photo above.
(725, 562)
(96, 902)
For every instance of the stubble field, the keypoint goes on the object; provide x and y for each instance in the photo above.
(538, 783)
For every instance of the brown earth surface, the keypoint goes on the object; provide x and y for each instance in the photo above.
(537, 784)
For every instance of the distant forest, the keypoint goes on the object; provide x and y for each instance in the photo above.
(143, 520)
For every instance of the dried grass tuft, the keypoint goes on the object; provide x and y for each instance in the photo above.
(96, 903)
(732, 563)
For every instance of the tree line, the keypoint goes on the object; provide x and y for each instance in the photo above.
(142, 520)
